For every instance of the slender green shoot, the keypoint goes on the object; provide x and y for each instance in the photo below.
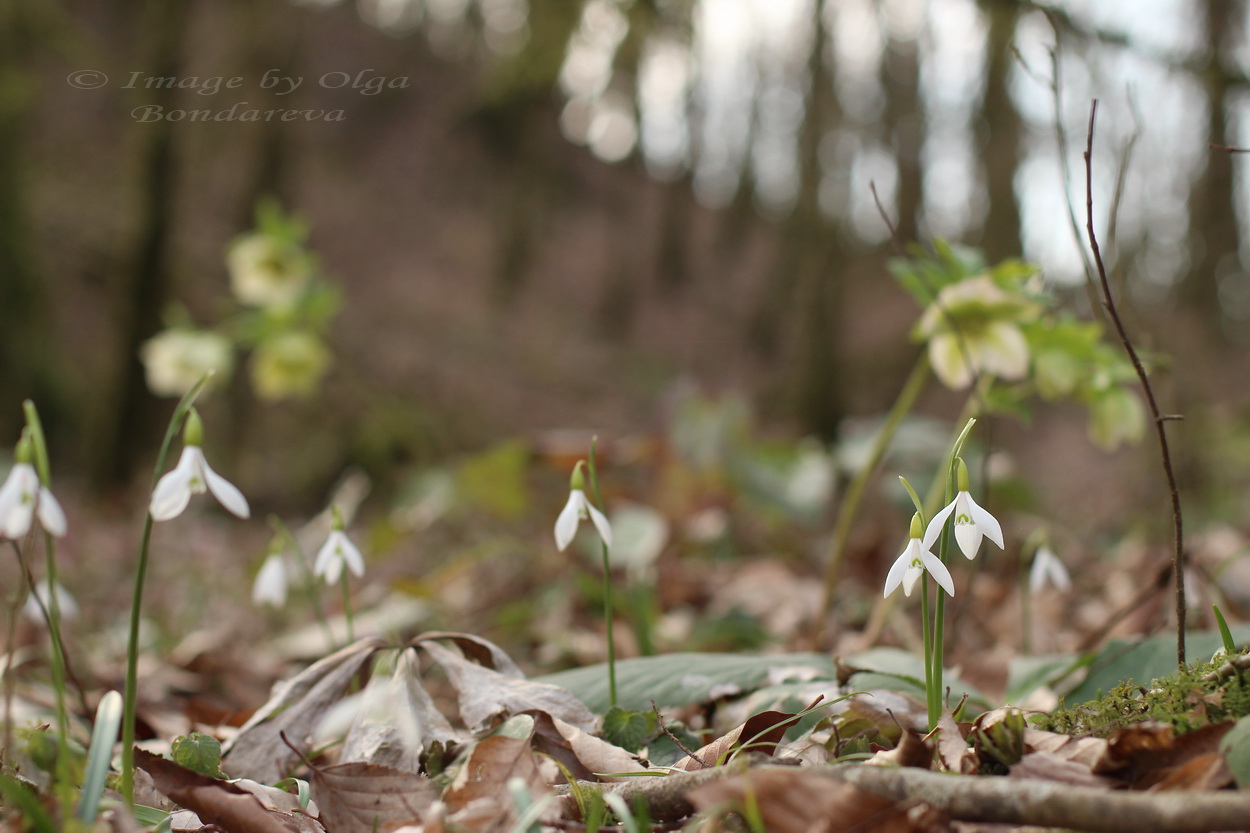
(1230, 644)
(136, 602)
(607, 582)
(108, 718)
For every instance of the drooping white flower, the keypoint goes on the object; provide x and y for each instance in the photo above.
(271, 582)
(23, 498)
(193, 476)
(65, 603)
(1048, 568)
(575, 509)
(915, 560)
(334, 553)
(972, 523)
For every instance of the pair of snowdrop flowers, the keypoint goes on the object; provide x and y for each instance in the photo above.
(972, 524)
(579, 508)
(336, 553)
(23, 497)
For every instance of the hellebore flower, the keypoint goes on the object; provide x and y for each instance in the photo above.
(267, 271)
(1048, 568)
(915, 560)
(174, 360)
(973, 327)
(289, 365)
(337, 551)
(577, 508)
(271, 582)
(23, 497)
(972, 523)
(191, 476)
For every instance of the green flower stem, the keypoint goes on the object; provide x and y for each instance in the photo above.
(855, 489)
(53, 610)
(928, 644)
(347, 608)
(309, 580)
(607, 583)
(136, 602)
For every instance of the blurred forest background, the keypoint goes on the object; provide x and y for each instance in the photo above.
(571, 213)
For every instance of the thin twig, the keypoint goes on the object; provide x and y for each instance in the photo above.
(663, 728)
(1178, 555)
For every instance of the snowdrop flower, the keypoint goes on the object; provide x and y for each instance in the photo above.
(337, 551)
(915, 560)
(973, 327)
(23, 497)
(64, 601)
(577, 508)
(191, 476)
(1048, 568)
(271, 582)
(174, 360)
(972, 523)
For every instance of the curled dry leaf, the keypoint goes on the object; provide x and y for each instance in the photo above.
(368, 798)
(586, 757)
(800, 801)
(761, 733)
(484, 694)
(953, 749)
(911, 751)
(482, 651)
(478, 798)
(1050, 766)
(215, 802)
(295, 709)
(395, 719)
(1151, 756)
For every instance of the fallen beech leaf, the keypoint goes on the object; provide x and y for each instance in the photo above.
(295, 708)
(761, 733)
(215, 802)
(585, 756)
(482, 651)
(911, 751)
(953, 749)
(799, 801)
(478, 797)
(1085, 751)
(363, 798)
(1146, 754)
(395, 719)
(1204, 772)
(1049, 766)
(484, 694)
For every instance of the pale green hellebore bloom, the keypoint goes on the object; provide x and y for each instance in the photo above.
(972, 329)
(175, 360)
(289, 365)
(266, 271)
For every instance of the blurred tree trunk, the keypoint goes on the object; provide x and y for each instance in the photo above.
(1213, 232)
(815, 251)
(127, 414)
(1000, 133)
(25, 323)
(905, 117)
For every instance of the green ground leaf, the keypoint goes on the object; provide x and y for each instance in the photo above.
(685, 678)
(200, 753)
(1235, 746)
(1146, 660)
(628, 729)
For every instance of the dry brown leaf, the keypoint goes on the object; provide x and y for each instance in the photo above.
(1204, 772)
(1085, 751)
(585, 756)
(482, 651)
(215, 802)
(761, 733)
(1150, 754)
(889, 710)
(362, 798)
(911, 751)
(800, 801)
(395, 719)
(295, 709)
(478, 797)
(1050, 766)
(485, 694)
(953, 749)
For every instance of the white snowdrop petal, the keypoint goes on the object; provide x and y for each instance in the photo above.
(566, 522)
(968, 536)
(897, 569)
(601, 524)
(986, 522)
(226, 493)
(51, 515)
(934, 530)
(938, 570)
